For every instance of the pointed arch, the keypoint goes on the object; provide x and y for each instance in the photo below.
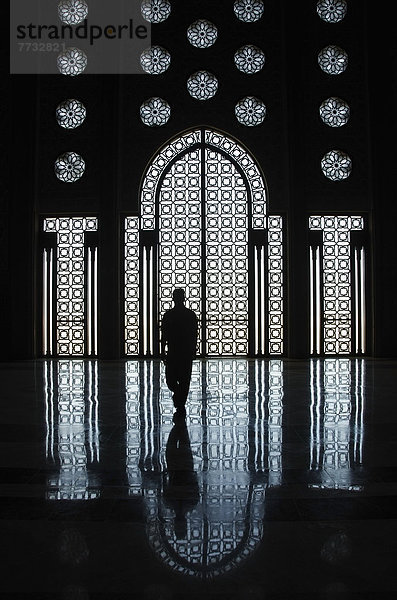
(203, 225)
(214, 140)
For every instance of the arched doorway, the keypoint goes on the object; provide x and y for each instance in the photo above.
(203, 226)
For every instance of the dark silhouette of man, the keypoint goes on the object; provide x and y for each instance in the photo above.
(179, 337)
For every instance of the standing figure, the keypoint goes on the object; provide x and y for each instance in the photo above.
(179, 335)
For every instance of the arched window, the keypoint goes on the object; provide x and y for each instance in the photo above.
(203, 226)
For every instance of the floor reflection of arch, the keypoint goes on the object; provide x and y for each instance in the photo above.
(236, 444)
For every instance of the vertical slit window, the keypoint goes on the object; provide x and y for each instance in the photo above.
(95, 303)
(91, 302)
(144, 295)
(257, 303)
(48, 301)
(151, 303)
(311, 298)
(362, 300)
(359, 299)
(148, 304)
(263, 301)
(315, 299)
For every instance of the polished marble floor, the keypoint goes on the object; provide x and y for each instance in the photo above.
(280, 483)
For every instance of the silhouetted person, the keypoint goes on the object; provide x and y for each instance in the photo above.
(180, 487)
(179, 336)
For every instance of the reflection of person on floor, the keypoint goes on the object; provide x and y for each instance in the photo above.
(179, 334)
(180, 487)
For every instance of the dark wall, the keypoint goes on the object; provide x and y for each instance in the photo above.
(17, 206)
(288, 146)
(382, 85)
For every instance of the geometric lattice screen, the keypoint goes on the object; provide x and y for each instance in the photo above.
(131, 290)
(70, 282)
(337, 287)
(201, 196)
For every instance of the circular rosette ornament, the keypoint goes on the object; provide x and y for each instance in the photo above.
(202, 85)
(250, 111)
(72, 12)
(334, 112)
(249, 59)
(69, 167)
(155, 11)
(70, 114)
(155, 60)
(336, 165)
(248, 11)
(332, 11)
(333, 60)
(155, 112)
(72, 61)
(202, 34)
